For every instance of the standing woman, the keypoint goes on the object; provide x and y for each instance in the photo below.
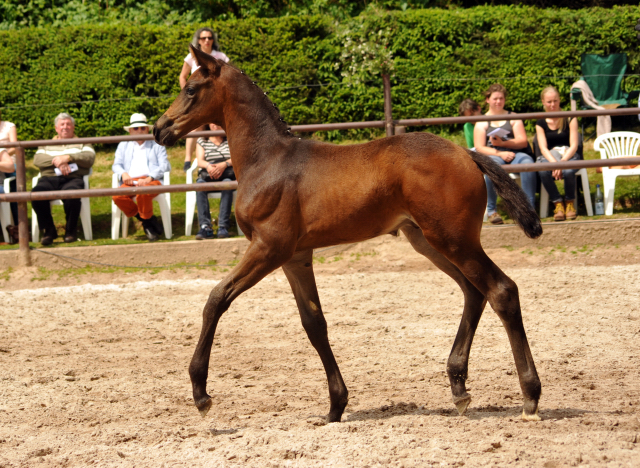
(512, 148)
(558, 140)
(8, 133)
(205, 40)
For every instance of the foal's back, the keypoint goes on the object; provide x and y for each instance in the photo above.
(348, 193)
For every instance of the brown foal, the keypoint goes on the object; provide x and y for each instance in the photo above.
(297, 195)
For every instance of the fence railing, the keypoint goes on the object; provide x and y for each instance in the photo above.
(21, 196)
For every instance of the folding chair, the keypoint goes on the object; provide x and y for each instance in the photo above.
(85, 212)
(191, 202)
(604, 74)
(163, 200)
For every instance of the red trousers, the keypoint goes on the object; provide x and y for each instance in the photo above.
(144, 206)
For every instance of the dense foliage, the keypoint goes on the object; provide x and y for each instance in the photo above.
(26, 13)
(314, 69)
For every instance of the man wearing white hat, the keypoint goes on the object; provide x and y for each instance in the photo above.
(140, 163)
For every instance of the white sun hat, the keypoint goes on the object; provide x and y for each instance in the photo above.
(137, 120)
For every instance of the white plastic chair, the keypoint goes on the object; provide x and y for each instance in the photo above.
(85, 212)
(5, 210)
(163, 200)
(544, 195)
(616, 145)
(191, 202)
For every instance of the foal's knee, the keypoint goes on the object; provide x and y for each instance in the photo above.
(504, 299)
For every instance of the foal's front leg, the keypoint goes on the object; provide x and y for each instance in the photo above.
(299, 272)
(258, 261)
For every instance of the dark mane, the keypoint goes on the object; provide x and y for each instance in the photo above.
(272, 111)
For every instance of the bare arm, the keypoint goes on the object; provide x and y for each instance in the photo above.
(13, 137)
(202, 163)
(574, 139)
(6, 163)
(184, 74)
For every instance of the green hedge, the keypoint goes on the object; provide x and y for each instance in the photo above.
(103, 73)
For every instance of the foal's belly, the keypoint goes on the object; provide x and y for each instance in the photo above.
(346, 230)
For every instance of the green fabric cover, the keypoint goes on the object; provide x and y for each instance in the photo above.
(604, 75)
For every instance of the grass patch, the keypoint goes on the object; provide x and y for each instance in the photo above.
(6, 274)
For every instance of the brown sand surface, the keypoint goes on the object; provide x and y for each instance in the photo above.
(93, 368)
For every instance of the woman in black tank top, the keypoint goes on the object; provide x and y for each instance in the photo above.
(558, 140)
(511, 148)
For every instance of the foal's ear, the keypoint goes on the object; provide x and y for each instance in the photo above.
(208, 65)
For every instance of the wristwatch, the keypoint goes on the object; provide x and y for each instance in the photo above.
(227, 163)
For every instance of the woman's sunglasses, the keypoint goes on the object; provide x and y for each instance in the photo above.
(206, 38)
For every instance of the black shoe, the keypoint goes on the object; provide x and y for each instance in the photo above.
(48, 238)
(223, 233)
(205, 232)
(70, 238)
(156, 225)
(149, 230)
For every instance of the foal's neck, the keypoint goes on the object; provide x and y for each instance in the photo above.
(251, 121)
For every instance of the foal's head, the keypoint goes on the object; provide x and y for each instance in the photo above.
(200, 101)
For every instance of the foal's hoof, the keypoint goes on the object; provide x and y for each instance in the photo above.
(462, 403)
(530, 410)
(530, 417)
(204, 406)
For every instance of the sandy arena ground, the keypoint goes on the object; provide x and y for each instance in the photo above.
(93, 370)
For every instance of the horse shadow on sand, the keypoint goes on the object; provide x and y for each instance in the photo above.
(482, 412)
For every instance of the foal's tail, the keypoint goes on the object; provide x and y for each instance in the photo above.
(514, 198)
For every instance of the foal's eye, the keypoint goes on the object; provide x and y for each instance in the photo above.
(191, 91)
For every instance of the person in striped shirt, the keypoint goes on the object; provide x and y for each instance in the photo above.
(214, 163)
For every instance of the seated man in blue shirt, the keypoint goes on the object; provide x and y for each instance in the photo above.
(140, 163)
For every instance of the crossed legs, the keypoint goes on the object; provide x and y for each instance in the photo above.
(481, 281)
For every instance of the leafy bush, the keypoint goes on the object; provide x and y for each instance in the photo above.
(103, 73)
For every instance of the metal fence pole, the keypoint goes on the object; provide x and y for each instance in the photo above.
(23, 220)
(388, 116)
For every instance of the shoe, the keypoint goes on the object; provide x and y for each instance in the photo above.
(48, 238)
(14, 235)
(205, 232)
(149, 231)
(223, 233)
(70, 238)
(558, 213)
(495, 218)
(187, 166)
(570, 210)
(156, 225)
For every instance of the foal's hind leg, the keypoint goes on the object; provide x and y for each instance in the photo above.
(474, 302)
(502, 294)
(257, 262)
(299, 272)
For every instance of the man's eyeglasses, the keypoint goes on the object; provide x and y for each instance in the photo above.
(206, 38)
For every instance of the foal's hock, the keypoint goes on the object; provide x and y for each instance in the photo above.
(297, 195)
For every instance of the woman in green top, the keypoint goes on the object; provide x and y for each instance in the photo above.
(469, 108)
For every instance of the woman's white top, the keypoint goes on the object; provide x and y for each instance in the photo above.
(214, 53)
(4, 135)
